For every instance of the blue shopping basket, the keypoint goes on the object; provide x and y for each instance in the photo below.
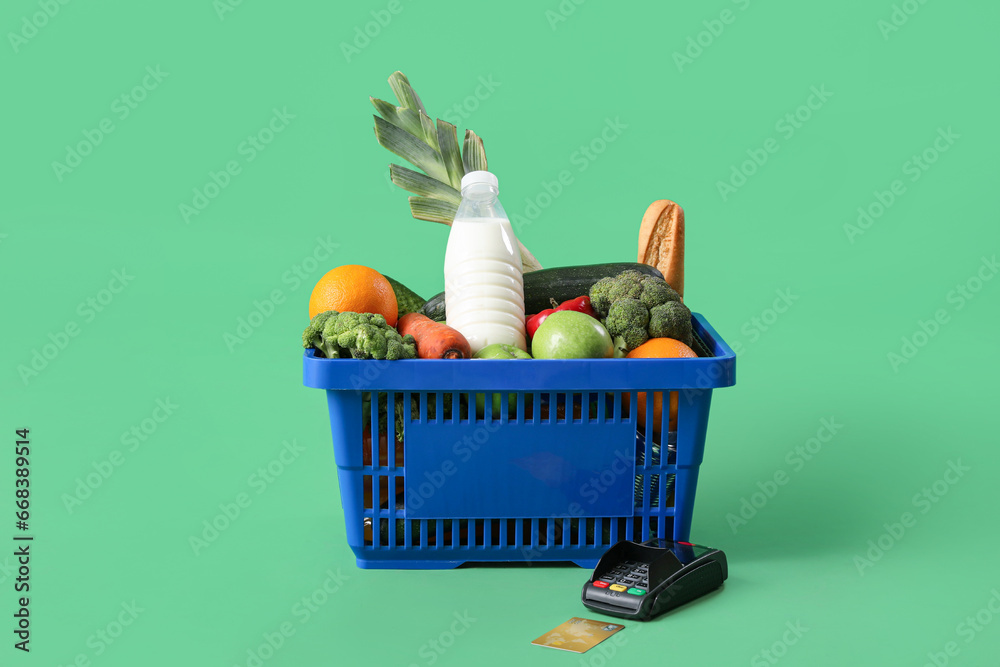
(444, 462)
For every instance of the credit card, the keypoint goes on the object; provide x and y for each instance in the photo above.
(578, 635)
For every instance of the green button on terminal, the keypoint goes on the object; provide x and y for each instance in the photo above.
(636, 591)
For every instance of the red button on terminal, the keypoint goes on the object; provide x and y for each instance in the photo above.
(601, 584)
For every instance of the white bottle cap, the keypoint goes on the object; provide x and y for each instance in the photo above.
(475, 177)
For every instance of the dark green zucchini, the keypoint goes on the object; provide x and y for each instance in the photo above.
(434, 308)
(559, 284)
(568, 282)
(407, 300)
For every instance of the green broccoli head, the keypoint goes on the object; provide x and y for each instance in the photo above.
(671, 320)
(313, 334)
(315, 329)
(656, 291)
(636, 307)
(365, 341)
(360, 335)
(345, 322)
(628, 319)
(404, 348)
(626, 285)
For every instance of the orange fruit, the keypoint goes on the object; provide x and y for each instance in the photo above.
(660, 348)
(355, 288)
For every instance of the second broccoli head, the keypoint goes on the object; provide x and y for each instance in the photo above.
(358, 335)
(635, 307)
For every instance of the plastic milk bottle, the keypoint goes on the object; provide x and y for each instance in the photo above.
(483, 284)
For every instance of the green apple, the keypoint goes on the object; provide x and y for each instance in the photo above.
(498, 351)
(501, 351)
(481, 402)
(568, 334)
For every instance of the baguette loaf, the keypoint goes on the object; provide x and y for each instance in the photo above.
(661, 241)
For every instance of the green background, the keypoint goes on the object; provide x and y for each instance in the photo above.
(554, 86)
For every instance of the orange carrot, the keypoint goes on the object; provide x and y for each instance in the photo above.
(435, 340)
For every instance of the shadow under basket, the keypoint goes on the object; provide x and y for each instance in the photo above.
(445, 462)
